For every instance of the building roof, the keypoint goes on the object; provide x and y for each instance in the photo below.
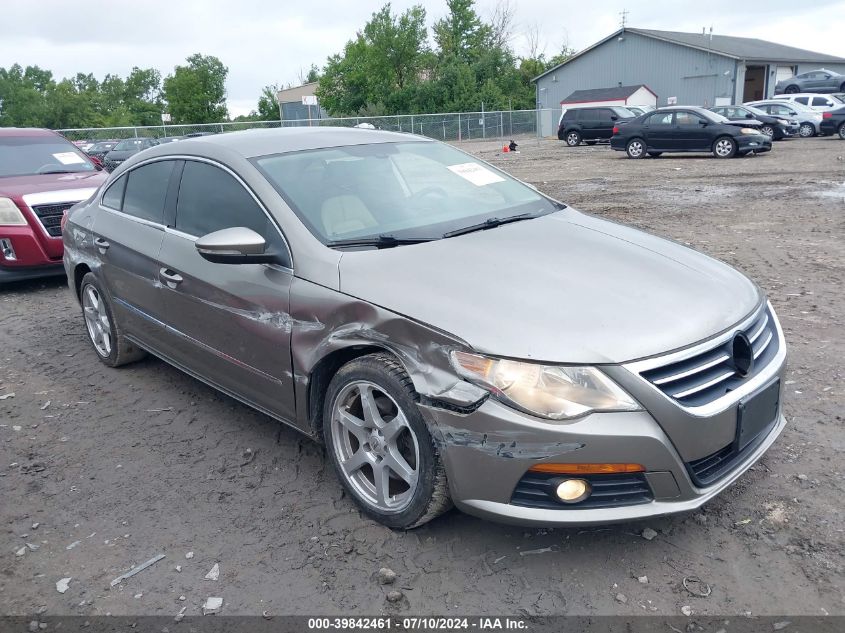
(741, 48)
(603, 94)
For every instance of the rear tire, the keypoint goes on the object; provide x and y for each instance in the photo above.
(724, 147)
(842, 131)
(380, 445)
(636, 148)
(792, 90)
(104, 333)
(807, 130)
(573, 138)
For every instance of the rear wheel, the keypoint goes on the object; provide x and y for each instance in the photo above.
(105, 334)
(842, 131)
(380, 445)
(807, 130)
(573, 138)
(791, 90)
(635, 148)
(724, 147)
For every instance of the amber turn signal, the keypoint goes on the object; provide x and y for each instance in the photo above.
(586, 469)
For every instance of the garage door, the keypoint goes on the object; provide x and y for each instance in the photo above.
(784, 72)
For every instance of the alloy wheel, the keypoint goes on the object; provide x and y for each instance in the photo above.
(806, 130)
(573, 139)
(97, 321)
(635, 149)
(768, 131)
(375, 446)
(724, 147)
(842, 131)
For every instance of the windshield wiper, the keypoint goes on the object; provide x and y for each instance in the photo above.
(491, 223)
(379, 241)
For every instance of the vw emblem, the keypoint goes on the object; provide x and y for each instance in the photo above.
(743, 354)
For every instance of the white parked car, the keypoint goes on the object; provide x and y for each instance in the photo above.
(821, 103)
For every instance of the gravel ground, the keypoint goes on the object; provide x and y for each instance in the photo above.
(117, 466)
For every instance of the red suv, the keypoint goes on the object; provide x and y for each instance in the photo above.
(41, 176)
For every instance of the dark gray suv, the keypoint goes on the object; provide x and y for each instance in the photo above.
(591, 124)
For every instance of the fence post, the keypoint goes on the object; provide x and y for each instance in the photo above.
(136, 132)
(501, 125)
(459, 126)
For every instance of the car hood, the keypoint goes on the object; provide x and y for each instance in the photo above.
(17, 186)
(122, 154)
(565, 288)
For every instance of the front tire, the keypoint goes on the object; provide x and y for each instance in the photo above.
(380, 445)
(842, 131)
(636, 148)
(573, 138)
(724, 147)
(768, 130)
(104, 332)
(806, 130)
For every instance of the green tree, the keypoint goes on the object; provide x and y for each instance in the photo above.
(268, 105)
(196, 93)
(381, 65)
(462, 34)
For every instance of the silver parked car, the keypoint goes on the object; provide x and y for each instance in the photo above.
(821, 80)
(808, 120)
(450, 333)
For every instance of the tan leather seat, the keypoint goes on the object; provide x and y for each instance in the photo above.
(344, 214)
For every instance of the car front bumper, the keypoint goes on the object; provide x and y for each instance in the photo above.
(488, 452)
(754, 143)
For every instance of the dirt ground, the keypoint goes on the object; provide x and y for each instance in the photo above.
(118, 466)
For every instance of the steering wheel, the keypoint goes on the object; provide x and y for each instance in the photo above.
(433, 190)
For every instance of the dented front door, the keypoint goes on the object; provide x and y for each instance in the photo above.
(231, 324)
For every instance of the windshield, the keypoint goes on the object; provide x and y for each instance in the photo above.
(713, 116)
(405, 190)
(31, 155)
(624, 112)
(129, 144)
(757, 111)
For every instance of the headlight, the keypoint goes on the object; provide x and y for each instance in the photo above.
(749, 130)
(10, 215)
(549, 391)
(782, 122)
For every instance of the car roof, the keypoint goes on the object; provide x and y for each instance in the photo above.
(26, 131)
(678, 107)
(799, 94)
(263, 142)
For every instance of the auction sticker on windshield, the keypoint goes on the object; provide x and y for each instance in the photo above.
(476, 174)
(69, 158)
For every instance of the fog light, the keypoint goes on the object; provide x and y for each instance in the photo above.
(573, 490)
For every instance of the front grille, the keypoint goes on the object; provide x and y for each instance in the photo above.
(50, 216)
(707, 376)
(536, 490)
(713, 467)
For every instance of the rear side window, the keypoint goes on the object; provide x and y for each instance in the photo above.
(146, 191)
(113, 197)
(210, 199)
(603, 114)
(661, 118)
(570, 115)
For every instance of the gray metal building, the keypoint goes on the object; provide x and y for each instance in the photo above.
(693, 68)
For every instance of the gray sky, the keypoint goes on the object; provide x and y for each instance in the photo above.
(271, 42)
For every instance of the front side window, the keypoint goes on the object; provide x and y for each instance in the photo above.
(802, 100)
(32, 155)
(210, 199)
(406, 190)
(146, 191)
(688, 119)
(821, 101)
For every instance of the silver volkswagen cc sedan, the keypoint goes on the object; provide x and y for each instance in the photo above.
(452, 335)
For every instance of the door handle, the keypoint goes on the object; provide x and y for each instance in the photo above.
(170, 277)
(99, 242)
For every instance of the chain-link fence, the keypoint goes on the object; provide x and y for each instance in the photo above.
(451, 126)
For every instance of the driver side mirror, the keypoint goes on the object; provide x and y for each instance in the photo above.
(237, 245)
(748, 115)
